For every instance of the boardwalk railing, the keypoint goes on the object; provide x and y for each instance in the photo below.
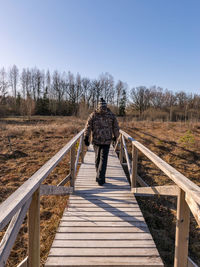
(27, 199)
(188, 193)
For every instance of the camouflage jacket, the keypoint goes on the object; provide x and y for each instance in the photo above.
(103, 125)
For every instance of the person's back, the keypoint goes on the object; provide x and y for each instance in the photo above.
(104, 127)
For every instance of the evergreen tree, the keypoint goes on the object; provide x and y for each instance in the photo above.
(122, 104)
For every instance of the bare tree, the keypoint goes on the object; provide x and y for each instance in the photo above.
(3, 85)
(87, 92)
(58, 86)
(157, 97)
(140, 98)
(96, 92)
(78, 88)
(107, 87)
(13, 80)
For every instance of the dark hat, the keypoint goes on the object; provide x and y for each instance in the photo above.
(102, 103)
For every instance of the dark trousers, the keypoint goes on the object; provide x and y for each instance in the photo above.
(101, 158)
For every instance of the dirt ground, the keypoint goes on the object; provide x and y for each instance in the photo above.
(25, 145)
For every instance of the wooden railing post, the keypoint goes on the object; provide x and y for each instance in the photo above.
(34, 230)
(82, 150)
(182, 231)
(121, 150)
(72, 165)
(134, 166)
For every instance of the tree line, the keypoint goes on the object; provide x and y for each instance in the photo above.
(157, 103)
(34, 91)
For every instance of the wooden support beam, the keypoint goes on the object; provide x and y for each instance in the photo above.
(191, 263)
(182, 231)
(34, 231)
(65, 180)
(116, 145)
(126, 155)
(82, 150)
(141, 181)
(167, 190)
(72, 165)
(11, 233)
(55, 190)
(23, 263)
(194, 207)
(121, 150)
(78, 154)
(134, 166)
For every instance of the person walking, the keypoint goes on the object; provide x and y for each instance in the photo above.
(104, 127)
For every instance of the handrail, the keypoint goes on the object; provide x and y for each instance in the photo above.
(28, 193)
(183, 182)
(9, 207)
(187, 192)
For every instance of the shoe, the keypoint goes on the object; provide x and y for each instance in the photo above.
(100, 182)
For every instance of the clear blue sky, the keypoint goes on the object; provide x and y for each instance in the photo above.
(141, 42)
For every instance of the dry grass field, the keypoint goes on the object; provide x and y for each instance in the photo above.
(179, 145)
(27, 144)
(32, 143)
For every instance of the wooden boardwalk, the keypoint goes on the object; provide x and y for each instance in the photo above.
(103, 226)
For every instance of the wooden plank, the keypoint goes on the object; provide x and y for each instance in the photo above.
(182, 232)
(165, 190)
(103, 252)
(191, 263)
(104, 243)
(23, 263)
(141, 181)
(11, 233)
(102, 213)
(55, 190)
(116, 145)
(104, 219)
(109, 209)
(134, 166)
(126, 155)
(65, 180)
(95, 229)
(72, 165)
(121, 150)
(89, 223)
(101, 195)
(104, 236)
(194, 207)
(82, 151)
(105, 200)
(78, 154)
(16, 200)
(34, 231)
(102, 205)
(124, 190)
(105, 261)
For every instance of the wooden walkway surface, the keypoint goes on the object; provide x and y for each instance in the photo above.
(103, 226)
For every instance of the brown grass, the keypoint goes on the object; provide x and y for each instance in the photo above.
(179, 145)
(33, 142)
